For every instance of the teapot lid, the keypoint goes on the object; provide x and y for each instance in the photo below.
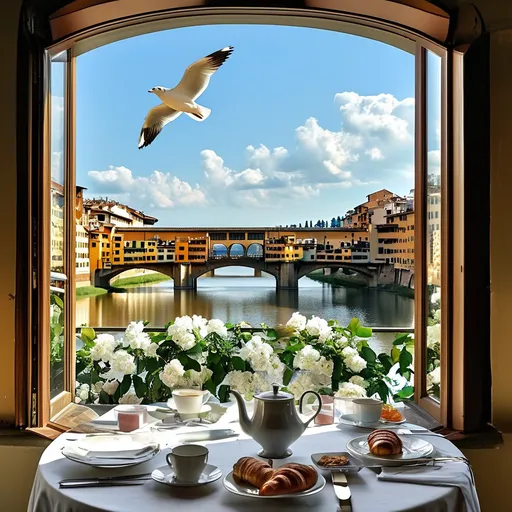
(275, 394)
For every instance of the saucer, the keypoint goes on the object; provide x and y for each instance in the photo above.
(165, 475)
(349, 419)
(205, 409)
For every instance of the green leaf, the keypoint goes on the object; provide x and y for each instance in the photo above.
(400, 339)
(294, 348)
(218, 374)
(386, 361)
(238, 364)
(364, 332)
(405, 360)
(337, 368)
(87, 335)
(157, 385)
(125, 384)
(287, 376)
(271, 333)
(104, 397)
(140, 386)
(395, 354)
(406, 392)
(368, 354)
(210, 386)
(382, 390)
(196, 349)
(354, 325)
(224, 394)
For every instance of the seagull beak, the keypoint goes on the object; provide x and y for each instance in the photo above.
(150, 90)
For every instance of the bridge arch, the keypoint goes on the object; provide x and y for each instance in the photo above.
(241, 262)
(103, 277)
(368, 274)
(255, 250)
(220, 250)
(236, 250)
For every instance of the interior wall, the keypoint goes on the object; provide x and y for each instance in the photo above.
(8, 38)
(501, 235)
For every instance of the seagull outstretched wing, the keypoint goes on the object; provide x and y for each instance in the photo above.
(156, 119)
(197, 76)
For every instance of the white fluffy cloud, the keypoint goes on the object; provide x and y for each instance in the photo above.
(158, 190)
(375, 140)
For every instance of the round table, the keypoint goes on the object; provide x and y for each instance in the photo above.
(368, 493)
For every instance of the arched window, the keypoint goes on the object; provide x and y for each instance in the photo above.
(83, 25)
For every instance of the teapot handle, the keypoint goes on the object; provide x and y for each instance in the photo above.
(319, 406)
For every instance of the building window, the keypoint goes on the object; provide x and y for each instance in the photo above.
(237, 236)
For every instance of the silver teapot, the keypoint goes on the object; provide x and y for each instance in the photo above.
(275, 424)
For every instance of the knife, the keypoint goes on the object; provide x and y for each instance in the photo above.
(101, 483)
(206, 435)
(342, 490)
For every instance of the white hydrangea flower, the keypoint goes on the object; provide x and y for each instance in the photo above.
(97, 387)
(349, 352)
(123, 362)
(150, 350)
(355, 363)
(317, 326)
(181, 322)
(302, 382)
(217, 326)
(262, 382)
(200, 324)
(130, 398)
(83, 394)
(84, 387)
(110, 387)
(258, 353)
(350, 390)
(434, 377)
(135, 337)
(433, 335)
(306, 358)
(172, 373)
(243, 382)
(297, 322)
(104, 346)
(195, 379)
(359, 381)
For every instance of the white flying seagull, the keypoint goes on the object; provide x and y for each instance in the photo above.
(182, 98)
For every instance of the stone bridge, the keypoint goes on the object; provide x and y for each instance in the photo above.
(287, 274)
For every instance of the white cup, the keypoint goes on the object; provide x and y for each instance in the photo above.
(188, 461)
(189, 401)
(367, 410)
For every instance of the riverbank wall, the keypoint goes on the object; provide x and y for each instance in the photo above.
(387, 281)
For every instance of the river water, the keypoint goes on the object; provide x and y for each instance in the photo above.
(234, 295)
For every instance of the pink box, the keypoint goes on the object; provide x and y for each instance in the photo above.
(131, 417)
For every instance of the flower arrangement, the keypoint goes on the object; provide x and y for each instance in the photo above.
(305, 354)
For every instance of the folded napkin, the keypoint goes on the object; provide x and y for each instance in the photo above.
(453, 474)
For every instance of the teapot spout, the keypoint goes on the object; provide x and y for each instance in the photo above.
(244, 420)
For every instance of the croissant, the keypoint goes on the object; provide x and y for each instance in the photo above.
(253, 471)
(384, 442)
(288, 479)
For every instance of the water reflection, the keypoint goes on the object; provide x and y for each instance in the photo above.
(240, 297)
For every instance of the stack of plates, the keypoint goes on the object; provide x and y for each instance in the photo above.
(110, 450)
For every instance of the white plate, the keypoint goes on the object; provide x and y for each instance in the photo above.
(353, 466)
(349, 419)
(110, 451)
(165, 475)
(413, 448)
(252, 492)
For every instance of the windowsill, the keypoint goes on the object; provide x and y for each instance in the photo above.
(16, 437)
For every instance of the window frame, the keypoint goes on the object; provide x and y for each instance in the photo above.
(34, 411)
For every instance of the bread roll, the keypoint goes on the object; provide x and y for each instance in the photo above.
(253, 471)
(384, 442)
(290, 478)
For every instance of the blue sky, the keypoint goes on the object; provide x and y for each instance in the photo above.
(339, 108)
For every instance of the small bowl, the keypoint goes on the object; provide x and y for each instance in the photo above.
(131, 417)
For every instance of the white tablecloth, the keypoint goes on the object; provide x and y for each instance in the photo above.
(368, 493)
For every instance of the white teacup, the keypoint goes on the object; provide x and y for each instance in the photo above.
(367, 410)
(188, 461)
(189, 401)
